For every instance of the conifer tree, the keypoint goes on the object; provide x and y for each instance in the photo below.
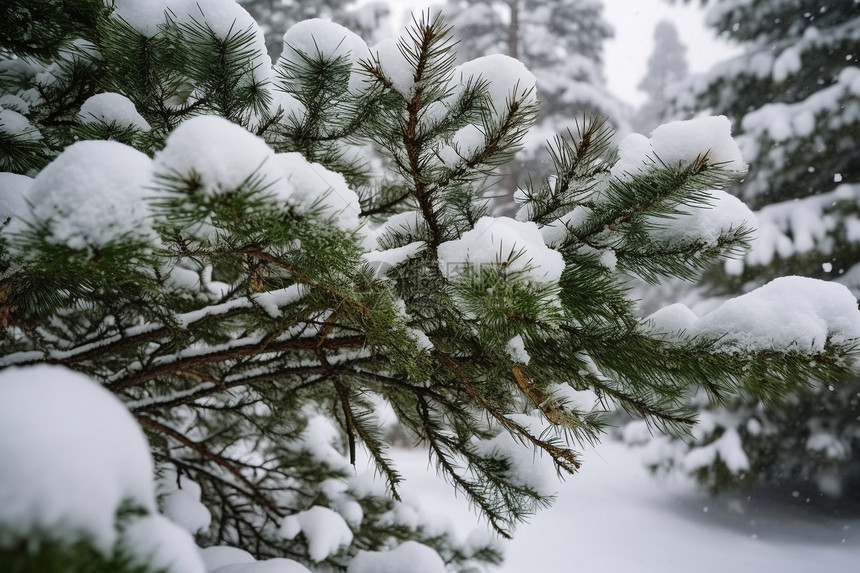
(276, 16)
(667, 67)
(206, 240)
(562, 44)
(793, 95)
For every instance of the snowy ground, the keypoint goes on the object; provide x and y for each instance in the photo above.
(613, 517)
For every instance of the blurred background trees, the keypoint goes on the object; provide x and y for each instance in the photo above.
(561, 43)
(793, 96)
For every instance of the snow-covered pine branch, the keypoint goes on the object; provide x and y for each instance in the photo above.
(288, 255)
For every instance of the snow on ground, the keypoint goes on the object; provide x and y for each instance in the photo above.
(614, 517)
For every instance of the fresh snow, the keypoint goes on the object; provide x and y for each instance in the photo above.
(395, 66)
(223, 18)
(323, 38)
(789, 313)
(220, 155)
(17, 126)
(276, 565)
(112, 108)
(507, 79)
(409, 556)
(71, 455)
(704, 223)
(180, 500)
(679, 143)
(501, 240)
(93, 193)
(14, 190)
(382, 261)
(312, 186)
(216, 556)
(614, 516)
(272, 301)
(162, 545)
(516, 349)
(324, 529)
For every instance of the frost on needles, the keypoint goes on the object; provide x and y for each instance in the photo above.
(263, 263)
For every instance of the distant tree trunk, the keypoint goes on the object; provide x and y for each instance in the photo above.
(514, 30)
(511, 170)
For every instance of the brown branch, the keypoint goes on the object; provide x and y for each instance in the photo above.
(206, 453)
(221, 386)
(563, 456)
(138, 377)
(343, 395)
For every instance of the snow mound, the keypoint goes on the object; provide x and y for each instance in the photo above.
(112, 108)
(382, 261)
(221, 156)
(318, 37)
(323, 38)
(679, 143)
(789, 313)
(93, 193)
(180, 501)
(409, 556)
(277, 565)
(507, 79)
(502, 240)
(14, 190)
(17, 126)
(216, 556)
(72, 453)
(312, 186)
(324, 529)
(162, 545)
(395, 66)
(705, 223)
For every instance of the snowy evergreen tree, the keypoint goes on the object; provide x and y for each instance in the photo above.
(276, 16)
(667, 67)
(561, 42)
(255, 264)
(794, 97)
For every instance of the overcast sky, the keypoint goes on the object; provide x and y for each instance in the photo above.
(627, 54)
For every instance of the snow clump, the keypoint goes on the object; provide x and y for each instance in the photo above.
(324, 529)
(223, 18)
(316, 38)
(222, 157)
(312, 186)
(72, 454)
(14, 190)
(409, 556)
(518, 245)
(789, 313)
(180, 501)
(705, 223)
(112, 108)
(507, 78)
(160, 544)
(17, 126)
(679, 143)
(92, 194)
(395, 66)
